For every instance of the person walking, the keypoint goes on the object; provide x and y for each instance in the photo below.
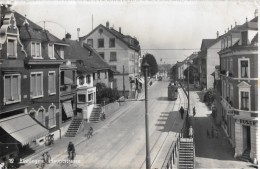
(190, 132)
(181, 112)
(194, 111)
(71, 150)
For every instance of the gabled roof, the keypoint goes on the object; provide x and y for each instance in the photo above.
(76, 52)
(251, 25)
(32, 31)
(117, 34)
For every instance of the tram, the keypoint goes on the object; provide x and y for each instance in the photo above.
(172, 91)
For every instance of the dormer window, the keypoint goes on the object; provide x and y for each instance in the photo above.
(11, 48)
(51, 51)
(36, 49)
(62, 53)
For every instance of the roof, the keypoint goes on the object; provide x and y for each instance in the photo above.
(251, 25)
(207, 42)
(76, 52)
(32, 31)
(118, 35)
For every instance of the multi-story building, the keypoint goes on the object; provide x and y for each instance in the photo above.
(239, 88)
(91, 69)
(122, 52)
(208, 60)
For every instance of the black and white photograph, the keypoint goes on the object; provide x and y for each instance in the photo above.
(129, 84)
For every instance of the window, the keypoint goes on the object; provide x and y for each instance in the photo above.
(105, 75)
(81, 80)
(244, 68)
(102, 54)
(62, 53)
(88, 79)
(52, 84)
(98, 75)
(11, 48)
(36, 49)
(100, 43)
(231, 65)
(36, 82)
(112, 56)
(90, 97)
(82, 98)
(244, 100)
(41, 116)
(51, 51)
(112, 42)
(94, 76)
(244, 37)
(90, 42)
(12, 88)
(52, 116)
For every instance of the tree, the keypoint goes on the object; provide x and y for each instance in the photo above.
(192, 72)
(106, 94)
(153, 66)
(209, 96)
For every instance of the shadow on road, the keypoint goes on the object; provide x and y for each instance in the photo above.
(210, 146)
(167, 120)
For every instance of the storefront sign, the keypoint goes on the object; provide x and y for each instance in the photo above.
(246, 122)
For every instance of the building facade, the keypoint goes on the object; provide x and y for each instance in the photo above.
(239, 88)
(122, 52)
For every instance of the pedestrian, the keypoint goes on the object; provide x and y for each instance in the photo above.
(212, 132)
(71, 151)
(190, 132)
(208, 134)
(194, 111)
(181, 112)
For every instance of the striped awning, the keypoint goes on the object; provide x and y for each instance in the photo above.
(23, 128)
(67, 106)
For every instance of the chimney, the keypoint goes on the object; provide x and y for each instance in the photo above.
(246, 19)
(78, 29)
(107, 24)
(217, 34)
(68, 36)
(119, 29)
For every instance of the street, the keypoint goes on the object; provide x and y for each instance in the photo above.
(120, 142)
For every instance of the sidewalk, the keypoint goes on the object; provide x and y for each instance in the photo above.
(60, 146)
(211, 152)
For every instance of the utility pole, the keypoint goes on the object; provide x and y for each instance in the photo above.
(188, 90)
(148, 160)
(124, 80)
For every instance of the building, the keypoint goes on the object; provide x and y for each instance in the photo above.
(208, 60)
(91, 69)
(122, 52)
(239, 88)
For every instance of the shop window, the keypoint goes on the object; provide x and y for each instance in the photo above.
(81, 98)
(90, 97)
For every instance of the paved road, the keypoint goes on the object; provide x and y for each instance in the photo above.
(211, 152)
(120, 143)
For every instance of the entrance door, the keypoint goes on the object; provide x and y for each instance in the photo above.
(246, 137)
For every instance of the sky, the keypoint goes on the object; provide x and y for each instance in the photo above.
(170, 30)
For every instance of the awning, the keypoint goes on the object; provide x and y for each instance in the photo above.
(23, 128)
(68, 108)
(141, 80)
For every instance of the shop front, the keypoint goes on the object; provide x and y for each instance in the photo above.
(246, 130)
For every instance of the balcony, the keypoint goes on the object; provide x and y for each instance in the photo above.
(68, 88)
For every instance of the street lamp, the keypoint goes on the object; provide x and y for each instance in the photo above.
(148, 163)
(188, 64)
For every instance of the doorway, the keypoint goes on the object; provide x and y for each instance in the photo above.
(246, 137)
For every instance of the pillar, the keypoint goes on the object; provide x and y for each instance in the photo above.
(238, 139)
(254, 141)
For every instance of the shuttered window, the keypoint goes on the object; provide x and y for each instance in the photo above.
(11, 48)
(12, 88)
(52, 83)
(36, 82)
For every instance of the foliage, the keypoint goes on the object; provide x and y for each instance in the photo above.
(106, 94)
(192, 72)
(153, 66)
(210, 96)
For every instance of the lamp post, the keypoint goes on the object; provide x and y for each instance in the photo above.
(148, 163)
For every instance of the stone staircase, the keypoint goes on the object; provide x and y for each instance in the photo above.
(245, 156)
(95, 114)
(74, 127)
(186, 153)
